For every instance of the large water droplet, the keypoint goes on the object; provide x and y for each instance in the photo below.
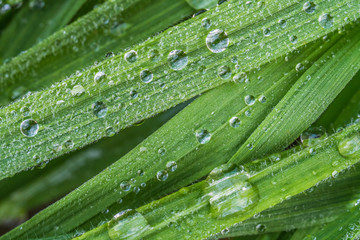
(234, 122)
(177, 59)
(313, 135)
(309, 7)
(249, 100)
(350, 147)
(203, 136)
(29, 127)
(77, 90)
(230, 192)
(217, 41)
(146, 76)
(326, 21)
(127, 225)
(131, 56)
(99, 109)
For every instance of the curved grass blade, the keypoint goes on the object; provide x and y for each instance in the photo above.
(76, 107)
(178, 144)
(111, 27)
(230, 195)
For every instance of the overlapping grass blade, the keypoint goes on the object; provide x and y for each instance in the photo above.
(128, 99)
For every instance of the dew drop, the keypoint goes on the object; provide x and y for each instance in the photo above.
(133, 94)
(266, 32)
(131, 56)
(299, 67)
(69, 144)
(234, 122)
(203, 136)
(224, 72)
(350, 147)
(77, 90)
(262, 99)
(110, 132)
(249, 100)
(99, 76)
(241, 77)
(162, 175)
(36, 4)
(154, 55)
(260, 228)
(177, 59)
(125, 186)
(313, 135)
(206, 23)
(25, 111)
(146, 76)
(99, 109)
(282, 23)
(161, 151)
(326, 21)
(29, 127)
(293, 39)
(309, 7)
(217, 41)
(171, 166)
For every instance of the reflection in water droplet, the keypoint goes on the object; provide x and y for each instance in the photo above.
(326, 21)
(282, 23)
(131, 56)
(110, 132)
(29, 127)
(299, 67)
(313, 135)
(99, 76)
(162, 175)
(249, 100)
(262, 99)
(77, 90)
(224, 72)
(234, 122)
(177, 59)
(99, 109)
(217, 41)
(203, 136)
(293, 39)
(171, 166)
(266, 32)
(206, 23)
(125, 186)
(350, 147)
(241, 77)
(154, 55)
(146, 76)
(133, 94)
(260, 228)
(162, 151)
(309, 7)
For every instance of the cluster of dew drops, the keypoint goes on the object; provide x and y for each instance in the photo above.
(216, 41)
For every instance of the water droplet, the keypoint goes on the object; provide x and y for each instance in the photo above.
(217, 41)
(203, 136)
(326, 21)
(140, 172)
(131, 56)
(99, 109)
(350, 147)
(36, 4)
(57, 147)
(110, 132)
(313, 135)
(334, 174)
(250, 146)
(162, 175)
(125, 186)
(109, 55)
(299, 67)
(266, 32)
(241, 77)
(69, 144)
(171, 166)
(162, 151)
(309, 7)
(77, 90)
(224, 72)
(25, 111)
(154, 55)
(282, 23)
(230, 192)
(260, 228)
(293, 39)
(206, 23)
(133, 94)
(262, 99)
(29, 127)
(146, 76)
(234, 122)
(177, 59)
(249, 100)
(99, 76)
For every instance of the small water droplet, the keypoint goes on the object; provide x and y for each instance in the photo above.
(171, 166)
(162, 175)
(299, 67)
(293, 39)
(162, 151)
(25, 111)
(125, 186)
(350, 147)
(146, 76)
(133, 94)
(326, 21)
(131, 56)
(29, 127)
(266, 32)
(177, 59)
(140, 172)
(217, 41)
(282, 23)
(77, 90)
(99, 76)
(99, 109)
(313, 135)
(224, 72)
(154, 55)
(260, 228)
(241, 77)
(203, 136)
(110, 132)
(69, 144)
(309, 7)
(206, 23)
(250, 146)
(234, 122)
(249, 100)
(262, 99)
(36, 4)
